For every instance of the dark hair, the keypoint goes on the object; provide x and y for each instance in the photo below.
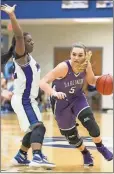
(80, 45)
(6, 56)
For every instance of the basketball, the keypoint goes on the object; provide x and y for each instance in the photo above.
(104, 84)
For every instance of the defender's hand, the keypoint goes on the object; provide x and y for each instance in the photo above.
(8, 9)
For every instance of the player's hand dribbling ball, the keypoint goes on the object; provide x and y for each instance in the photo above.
(104, 84)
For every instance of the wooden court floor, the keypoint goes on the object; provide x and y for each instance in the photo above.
(66, 158)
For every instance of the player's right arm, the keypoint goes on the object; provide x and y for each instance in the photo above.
(59, 71)
(20, 45)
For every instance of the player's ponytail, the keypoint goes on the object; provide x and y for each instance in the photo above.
(6, 56)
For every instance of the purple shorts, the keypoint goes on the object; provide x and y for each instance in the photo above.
(67, 111)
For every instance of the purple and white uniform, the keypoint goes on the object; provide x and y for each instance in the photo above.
(68, 109)
(26, 87)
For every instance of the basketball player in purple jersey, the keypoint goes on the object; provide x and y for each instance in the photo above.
(68, 79)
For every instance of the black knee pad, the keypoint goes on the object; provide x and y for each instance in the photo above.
(37, 135)
(87, 119)
(72, 136)
(26, 140)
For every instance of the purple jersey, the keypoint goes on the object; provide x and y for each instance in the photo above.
(71, 84)
(68, 109)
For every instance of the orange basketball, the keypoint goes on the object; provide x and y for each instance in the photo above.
(104, 84)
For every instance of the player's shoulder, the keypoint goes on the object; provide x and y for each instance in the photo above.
(35, 62)
(61, 69)
(32, 58)
(62, 65)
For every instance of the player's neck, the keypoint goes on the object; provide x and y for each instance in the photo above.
(74, 67)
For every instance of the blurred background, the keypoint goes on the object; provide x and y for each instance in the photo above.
(55, 26)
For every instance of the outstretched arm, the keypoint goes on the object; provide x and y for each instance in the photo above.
(20, 45)
(59, 71)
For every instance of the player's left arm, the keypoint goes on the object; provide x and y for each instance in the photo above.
(18, 33)
(90, 76)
